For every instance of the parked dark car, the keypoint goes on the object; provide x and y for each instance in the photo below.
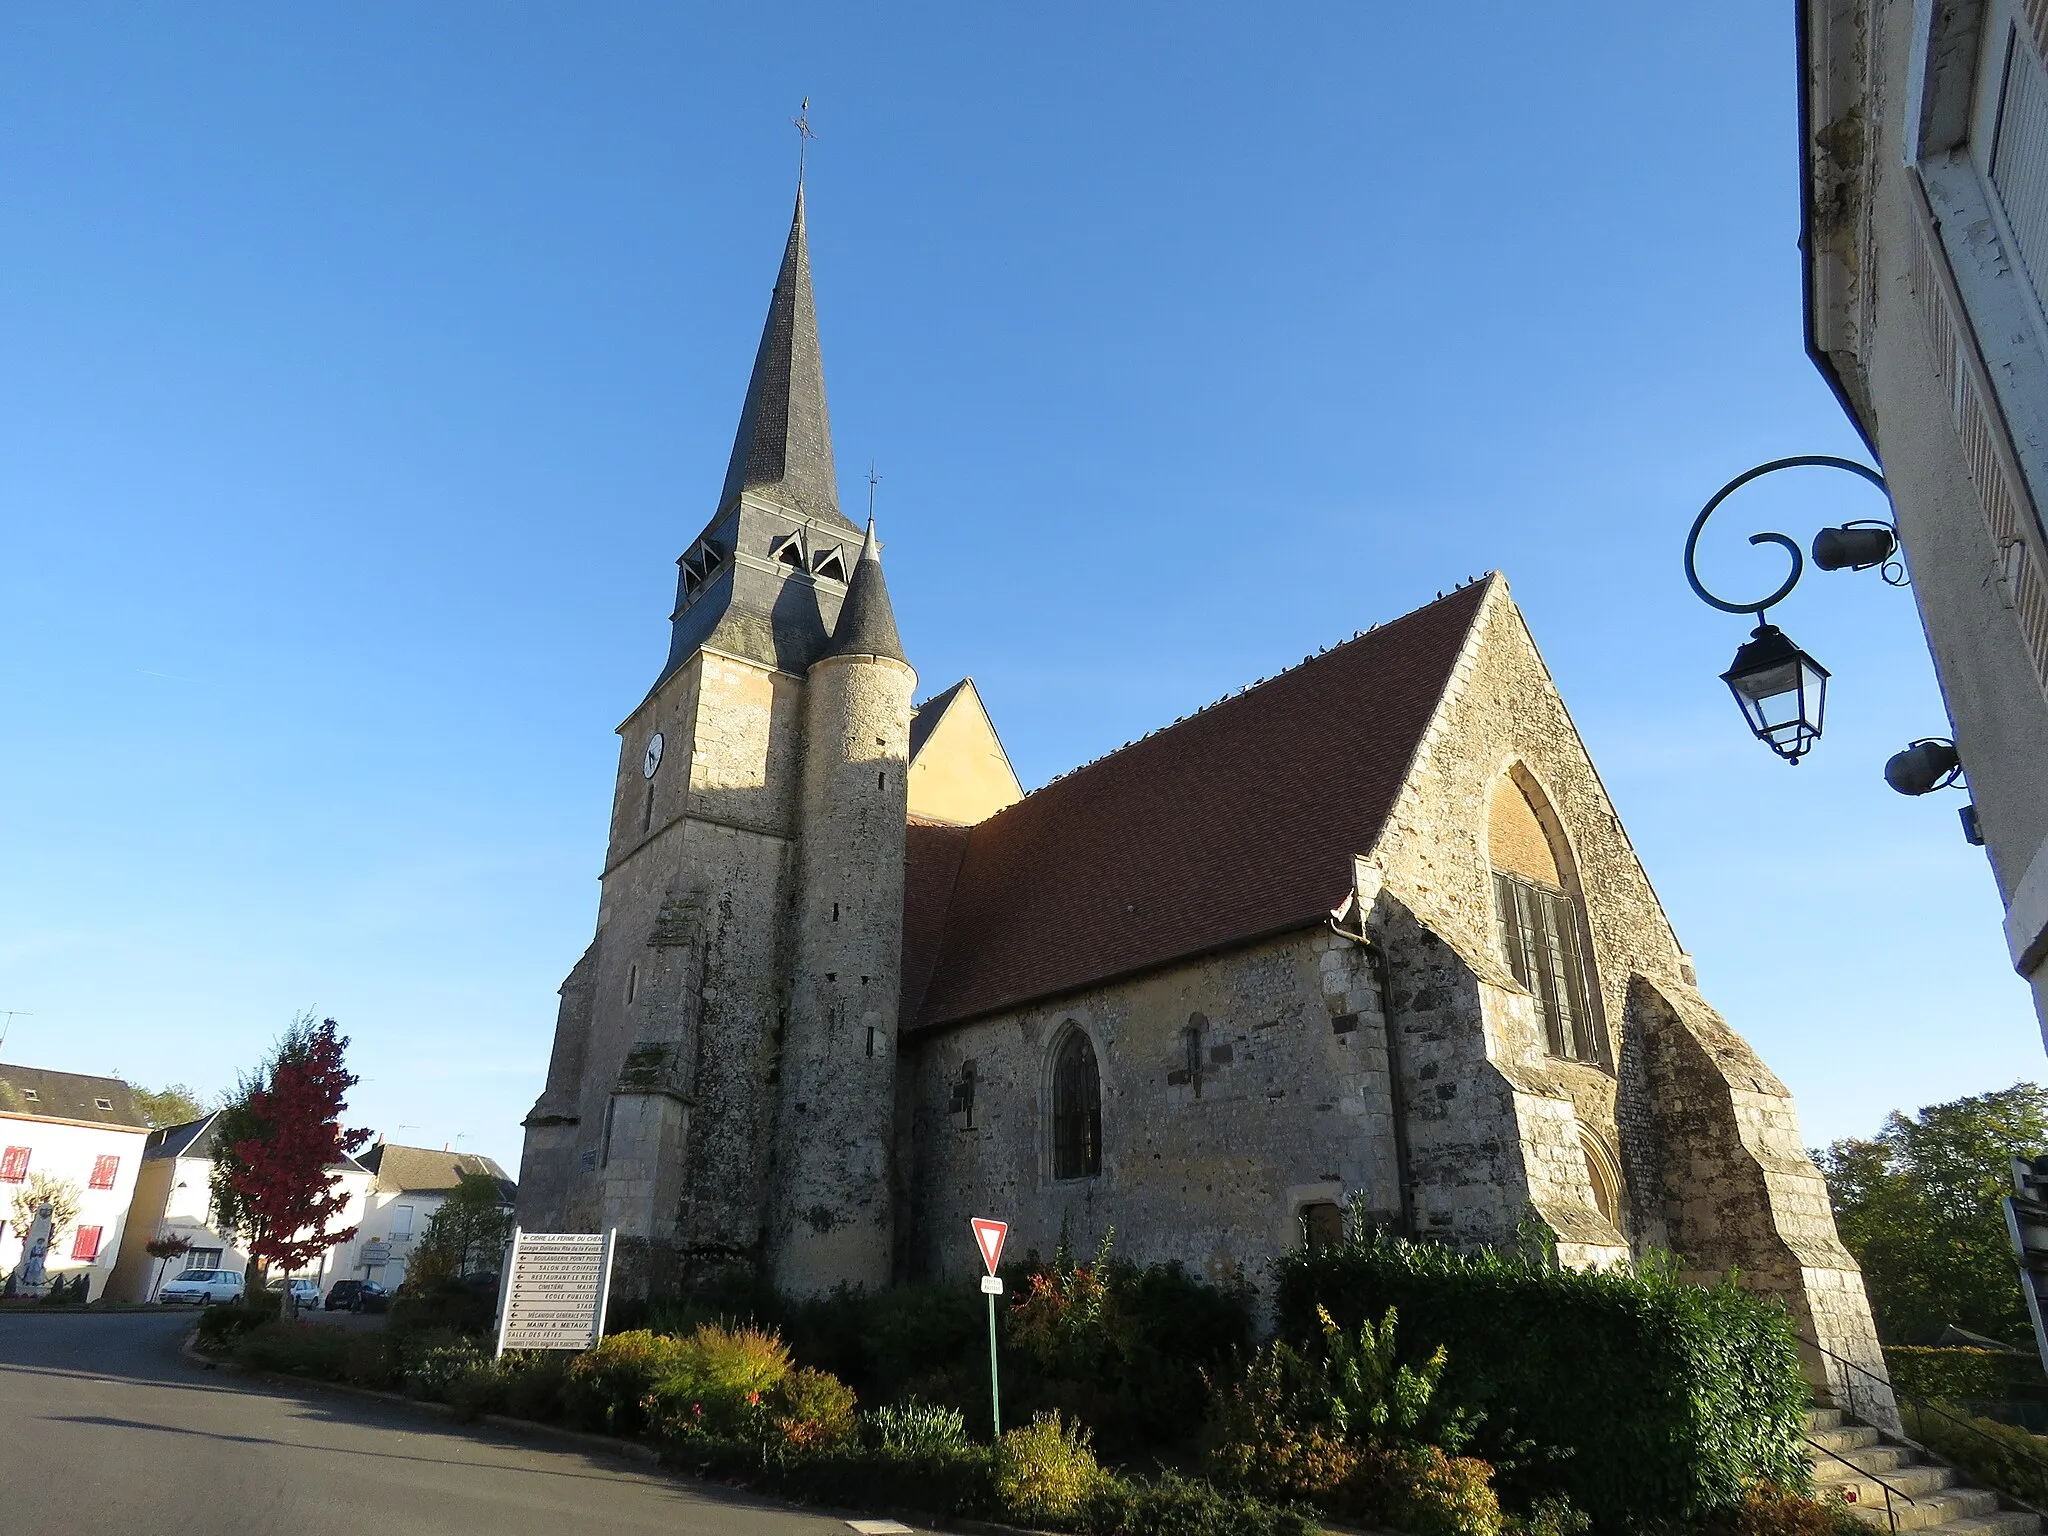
(358, 1296)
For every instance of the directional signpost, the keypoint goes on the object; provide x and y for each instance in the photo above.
(557, 1284)
(988, 1236)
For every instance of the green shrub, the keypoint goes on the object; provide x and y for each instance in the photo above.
(732, 1362)
(944, 1484)
(1123, 1347)
(534, 1383)
(1045, 1471)
(1768, 1511)
(1180, 1506)
(915, 1429)
(606, 1388)
(1641, 1398)
(432, 1372)
(371, 1361)
(1999, 1456)
(810, 1410)
(298, 1349)
(1333, 1425)
(1979, 1374)
(219, 1326)
(444, 1303)
(1425, 1491)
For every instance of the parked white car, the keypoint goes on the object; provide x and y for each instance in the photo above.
(304, 1293)
(202, 1287)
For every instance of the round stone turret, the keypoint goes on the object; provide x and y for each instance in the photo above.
(833, 1223)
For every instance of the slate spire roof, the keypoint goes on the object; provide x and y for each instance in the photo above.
(867, 622)
(784, 445)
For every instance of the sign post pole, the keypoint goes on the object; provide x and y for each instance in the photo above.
(988, 1237)
(995, 1390)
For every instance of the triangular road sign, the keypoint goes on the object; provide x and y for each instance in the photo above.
(990, 1235)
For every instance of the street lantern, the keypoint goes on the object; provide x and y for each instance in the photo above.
(1782, 691)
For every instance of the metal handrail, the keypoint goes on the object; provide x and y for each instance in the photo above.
(1924, 1406)
(1890, 1515)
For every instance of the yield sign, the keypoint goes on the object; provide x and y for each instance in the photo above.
(990, 1235)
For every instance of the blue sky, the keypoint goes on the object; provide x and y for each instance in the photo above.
(364, 369)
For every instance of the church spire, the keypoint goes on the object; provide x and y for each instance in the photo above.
(784, 446)
(867, 621)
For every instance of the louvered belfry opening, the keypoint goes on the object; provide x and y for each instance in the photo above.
(1076, 1109)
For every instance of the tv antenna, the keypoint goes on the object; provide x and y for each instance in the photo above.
(7, 1018)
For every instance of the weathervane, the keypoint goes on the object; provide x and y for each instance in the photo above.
(802, 124)
(873, 481)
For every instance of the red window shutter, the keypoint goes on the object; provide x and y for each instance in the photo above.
(14, 1164)
(103, 1171)
(85, 1247)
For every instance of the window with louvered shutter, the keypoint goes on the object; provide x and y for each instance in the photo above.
(104, 1170)
(14, 1165)
(85, 1244)
(1542, 938)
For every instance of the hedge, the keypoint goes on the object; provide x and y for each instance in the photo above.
(1643, 1399)
(1976, 1375)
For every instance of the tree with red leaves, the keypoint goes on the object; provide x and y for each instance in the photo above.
(274, 1146)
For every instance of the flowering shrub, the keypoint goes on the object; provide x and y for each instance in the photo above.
(1047, 1470)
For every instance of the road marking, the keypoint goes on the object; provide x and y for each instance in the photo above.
(881, 1528)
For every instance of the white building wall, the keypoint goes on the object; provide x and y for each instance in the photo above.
(68, 1150)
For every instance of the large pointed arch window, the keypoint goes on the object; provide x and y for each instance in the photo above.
(1076, 1109)
(1542, 930)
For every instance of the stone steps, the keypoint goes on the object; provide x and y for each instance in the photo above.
(1925, 1495)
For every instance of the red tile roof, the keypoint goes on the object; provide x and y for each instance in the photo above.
(1235, 823)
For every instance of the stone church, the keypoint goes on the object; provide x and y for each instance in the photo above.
(1368, 930)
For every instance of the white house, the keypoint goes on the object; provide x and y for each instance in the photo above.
(174, 1198)
(86, 1132)
(410, 1184)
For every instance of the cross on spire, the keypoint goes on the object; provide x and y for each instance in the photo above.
(802, 124)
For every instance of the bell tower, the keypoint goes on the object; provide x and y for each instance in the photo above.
(660, 1113)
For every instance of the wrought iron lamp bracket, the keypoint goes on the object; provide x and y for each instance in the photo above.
(1784, 590)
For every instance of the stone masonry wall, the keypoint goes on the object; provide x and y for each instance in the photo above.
(678, 1034)
(833, 1218)
(1235, 1090)
(1710, 1156)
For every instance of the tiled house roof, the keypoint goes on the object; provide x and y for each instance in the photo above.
(69, 1096)
(429, 1170)
(1236, 823)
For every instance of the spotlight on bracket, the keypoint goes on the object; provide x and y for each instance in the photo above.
(1926, 765)
(1856, 546)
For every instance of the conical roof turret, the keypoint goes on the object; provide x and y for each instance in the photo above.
(784, 445)
(867, 621)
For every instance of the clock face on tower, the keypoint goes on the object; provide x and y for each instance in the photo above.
(652, 760)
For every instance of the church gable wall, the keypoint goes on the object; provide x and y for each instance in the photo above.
(1504, 723)
(1234, 1089)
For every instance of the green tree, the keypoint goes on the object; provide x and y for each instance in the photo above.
(466, 1236)
(1918, 1204)
(174, 1105)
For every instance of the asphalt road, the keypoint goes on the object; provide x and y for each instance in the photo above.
(106, 1430)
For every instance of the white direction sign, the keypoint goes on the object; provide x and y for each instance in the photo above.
(556, 1288)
